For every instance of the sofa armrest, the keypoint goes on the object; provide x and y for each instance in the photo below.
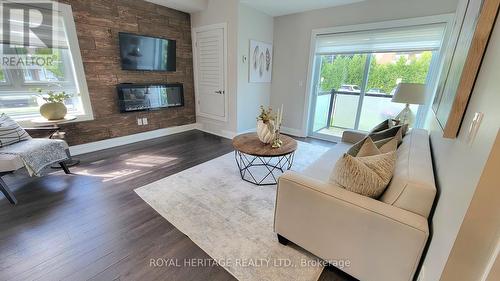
(334, 224)
(353, 136)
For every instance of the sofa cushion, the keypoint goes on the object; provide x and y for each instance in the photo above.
(368, 175)
(10, 131)
(412, 187)
(322, 168)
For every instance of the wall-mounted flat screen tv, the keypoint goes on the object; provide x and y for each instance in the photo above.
(146, 53)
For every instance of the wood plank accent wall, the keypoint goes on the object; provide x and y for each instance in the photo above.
(98, 23)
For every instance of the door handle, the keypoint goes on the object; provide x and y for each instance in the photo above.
(220, 92)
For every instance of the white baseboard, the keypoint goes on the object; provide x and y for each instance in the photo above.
(231, 135)
(293, 132)
(109, 143)
(221, 133)
(249, 131)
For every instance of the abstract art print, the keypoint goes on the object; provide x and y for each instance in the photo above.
(261, 58)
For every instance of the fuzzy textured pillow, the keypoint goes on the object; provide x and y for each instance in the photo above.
(368, 176)
(10, 131)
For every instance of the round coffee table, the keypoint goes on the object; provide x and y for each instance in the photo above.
(259, 163)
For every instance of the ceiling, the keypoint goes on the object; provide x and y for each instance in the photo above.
(188, 6)
(271, 7)
(284, 7)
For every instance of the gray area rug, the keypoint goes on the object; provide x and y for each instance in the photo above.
(232, 220)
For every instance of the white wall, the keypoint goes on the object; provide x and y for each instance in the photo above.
(244, 23)
(220, 11)
(292, 37)
(252, 25)
(459, 165)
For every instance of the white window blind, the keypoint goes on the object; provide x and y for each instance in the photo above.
(413, 38)
(56, 31)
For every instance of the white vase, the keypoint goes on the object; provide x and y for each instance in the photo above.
(265, 131)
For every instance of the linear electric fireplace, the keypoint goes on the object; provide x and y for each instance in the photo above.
(140, 97)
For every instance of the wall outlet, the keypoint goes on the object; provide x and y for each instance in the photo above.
(144, 121)
(474, 127)
(139, 121)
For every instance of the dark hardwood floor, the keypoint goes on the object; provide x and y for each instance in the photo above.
(92, 226)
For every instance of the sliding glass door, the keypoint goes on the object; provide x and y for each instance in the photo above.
(338, 74)
(355, 76)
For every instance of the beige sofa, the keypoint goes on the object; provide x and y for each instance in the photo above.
(381, 239)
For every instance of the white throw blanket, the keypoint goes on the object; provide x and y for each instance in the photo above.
(37, 154)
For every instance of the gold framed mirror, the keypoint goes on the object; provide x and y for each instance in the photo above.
(468, 42)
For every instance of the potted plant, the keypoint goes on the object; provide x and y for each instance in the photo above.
(53, 108)
(265, 125)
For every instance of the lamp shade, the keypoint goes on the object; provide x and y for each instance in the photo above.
(411, 93)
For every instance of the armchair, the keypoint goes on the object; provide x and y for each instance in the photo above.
(31, 153)
(10, 163)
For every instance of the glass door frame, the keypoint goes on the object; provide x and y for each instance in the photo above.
(364, 84)
(315, 65)
(316, 80)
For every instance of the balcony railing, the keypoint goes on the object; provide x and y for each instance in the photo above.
(339, 109)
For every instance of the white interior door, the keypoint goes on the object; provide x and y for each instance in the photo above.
(210, 72)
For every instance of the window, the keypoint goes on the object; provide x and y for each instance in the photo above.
(356, 74)
(55, 68)
(3, 80)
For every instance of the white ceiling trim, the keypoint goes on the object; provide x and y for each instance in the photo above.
(277, 8)
(187, 6)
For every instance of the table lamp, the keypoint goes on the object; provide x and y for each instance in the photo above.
(409, 93)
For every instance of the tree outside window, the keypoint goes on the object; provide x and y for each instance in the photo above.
(386, 70)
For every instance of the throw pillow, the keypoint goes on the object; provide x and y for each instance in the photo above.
(368, 148)
(389, 133)
(10, 131)
(380, 143)
(388, 146)
(354, 149)
(386, 124)
(368, 176)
